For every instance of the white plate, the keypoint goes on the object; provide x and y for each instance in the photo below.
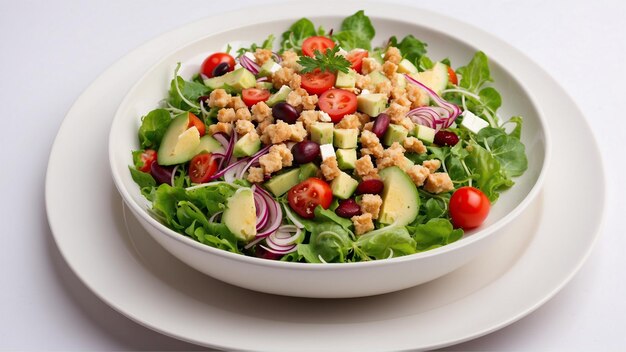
(536, 255)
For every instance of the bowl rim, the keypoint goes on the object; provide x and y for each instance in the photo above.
(138, 210)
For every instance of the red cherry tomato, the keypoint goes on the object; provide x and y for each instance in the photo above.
(307, 195)
(195, 121)
(337, 103)
(356, 59)
(469, 207)
(202, 167)
(317, 82)
(252, 96)
(310, 44)
(452, 76)
(211, 62)
(148, 157)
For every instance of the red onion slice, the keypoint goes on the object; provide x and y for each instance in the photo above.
(291, 217)
(255, 158)
(249, 65)
(292, 249)
(214, 216)
(444, 114)
(276, 57)
(275, 214)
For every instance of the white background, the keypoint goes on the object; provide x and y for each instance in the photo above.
(50, 51)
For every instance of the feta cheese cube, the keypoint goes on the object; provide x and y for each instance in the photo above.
(327, 150)
(473, 122)
(250, 56)
(324, 117)
(275, 67)
(365, 92)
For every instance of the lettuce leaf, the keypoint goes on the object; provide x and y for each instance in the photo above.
(389, 241)
(153, 127)
(435, 233)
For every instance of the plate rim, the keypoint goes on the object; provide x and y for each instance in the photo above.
(549, 295)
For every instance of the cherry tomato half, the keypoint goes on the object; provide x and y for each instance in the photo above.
(317, 82)
(337, 103)
(469, 207)
(202, 167)
(195, 121)
(148, 157)
(307, 195)
(452, 76)
(211, 62)
(356, 59)
(310, 44)
(252, 96)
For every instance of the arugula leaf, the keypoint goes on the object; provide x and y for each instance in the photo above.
(359, 23)
(153, 127)
(190, 91)
(435, 233)
(425, 63)
(476, 73)
(296, 34)
(412, 49)
(322, 214)
(349, 40)
(357, 31)
(328, 61)
(517, 130)
(328, 241)
(394, 241)
(490, 98)
(508, 150)
(490, 177)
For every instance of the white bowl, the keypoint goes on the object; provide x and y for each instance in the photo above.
(326, 280)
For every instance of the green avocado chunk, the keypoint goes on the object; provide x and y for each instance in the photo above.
(282, 183)
(395, 133)
(401, 201)
(343, 186)
(236, 80)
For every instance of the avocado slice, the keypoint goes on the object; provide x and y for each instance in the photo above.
(425, 133)
(343, 186)
(240, 215)
(208, 144)
(346, 158)
(179, 143)
(401, 201)
(346, 80)
(282, 183)
(279, 96)
(268, 68)
(264, 85)
(322, 132)
(247, 145)
(345, 137)
(307, 171)
(378, 77)
(236, 80)
(395, 133)
(436, 78)
(406, 66)
(371, 104)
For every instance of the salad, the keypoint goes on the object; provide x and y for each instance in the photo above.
(328, 149)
